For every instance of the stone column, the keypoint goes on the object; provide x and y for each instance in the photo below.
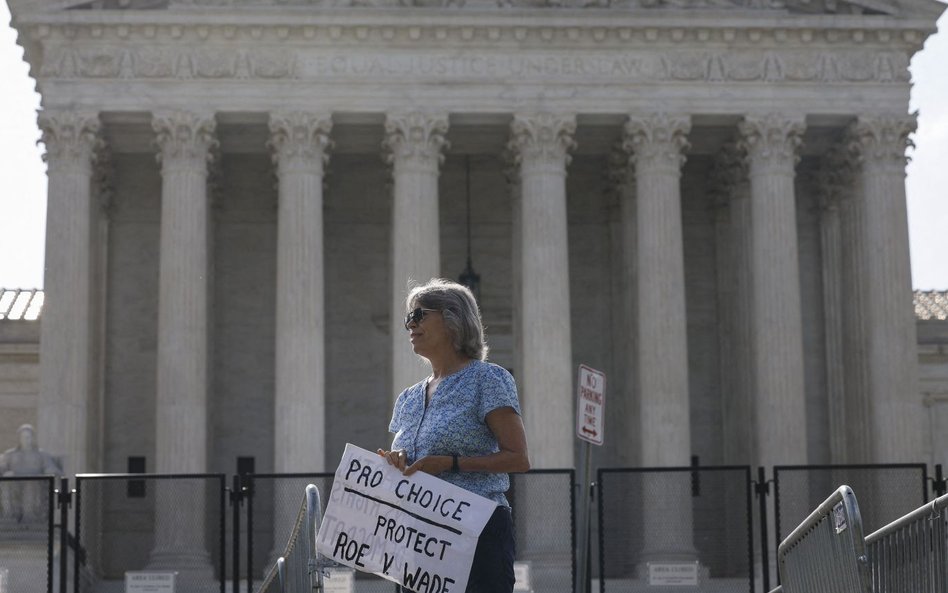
(625, 339)
(771, 142)
(656, 143)
(67, 337)
(415, 142)
(541, 143)
(730, 183)
(66, 340)
(299, 142)
(185, 140)
(890, 348)
(512, 175)
(834, 178)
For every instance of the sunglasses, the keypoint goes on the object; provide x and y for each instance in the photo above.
(417, 315)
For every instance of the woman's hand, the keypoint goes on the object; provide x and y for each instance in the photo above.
(430, 464)
(398, 458)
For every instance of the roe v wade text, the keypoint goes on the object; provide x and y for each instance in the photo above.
(418, 531)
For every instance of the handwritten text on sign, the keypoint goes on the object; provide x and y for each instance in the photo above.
(418, 531)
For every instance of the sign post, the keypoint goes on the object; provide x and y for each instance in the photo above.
(590, 427)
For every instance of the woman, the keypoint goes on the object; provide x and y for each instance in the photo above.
(472, 433)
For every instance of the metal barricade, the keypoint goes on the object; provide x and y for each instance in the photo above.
(155, 523)
(27, 511)
(826, 553)
(910, 555)
(686, 526)
(297, 570)
(886, 491)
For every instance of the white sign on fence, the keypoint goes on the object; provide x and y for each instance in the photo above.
(673, 574)
(340, 580)
(591, 398)
(149, 582)
(418, 531)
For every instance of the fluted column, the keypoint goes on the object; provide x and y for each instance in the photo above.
(415, 142)
(656, 144)
(731, 185)
(541, 144)
(66, 341)
(185, 140)
(625, 339)
(890, 349)
(834, 179)
(512, 175)
(780, 417)
(299, 142)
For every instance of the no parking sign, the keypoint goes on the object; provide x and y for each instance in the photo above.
(591, 396)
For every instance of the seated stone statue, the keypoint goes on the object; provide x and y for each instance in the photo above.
(24, 501)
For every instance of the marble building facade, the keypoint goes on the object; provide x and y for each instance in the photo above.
(705, 200)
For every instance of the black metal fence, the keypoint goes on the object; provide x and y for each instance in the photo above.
(654, 525)
(27, 512)
(544, 515)
(667, 526)
(143, 522)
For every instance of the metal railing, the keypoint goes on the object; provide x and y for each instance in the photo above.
(826, 553)
(910, 555)
(655, 520)
(298, 570)
(27, 511)
(150, 522)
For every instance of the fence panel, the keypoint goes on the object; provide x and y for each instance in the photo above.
(658, 526)
(26, 533)
(544, 512)
(910, 555)
(886, 492)
(154, 523)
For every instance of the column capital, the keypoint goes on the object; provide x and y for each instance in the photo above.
(882, 138)
(299, 139)
(772, 139)
(542, 137)
(658, 138)
(416, 139)
(728, 174)
(71, 135)
(835, 176)
(184, 136)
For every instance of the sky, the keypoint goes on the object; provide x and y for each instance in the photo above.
(23, 173)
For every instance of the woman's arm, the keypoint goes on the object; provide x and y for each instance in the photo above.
(507, 427)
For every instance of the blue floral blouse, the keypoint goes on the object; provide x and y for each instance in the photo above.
(455, 422)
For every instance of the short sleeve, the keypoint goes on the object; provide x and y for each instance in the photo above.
(497, 389)
(395, 424)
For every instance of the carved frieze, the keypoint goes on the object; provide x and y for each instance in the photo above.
(157, 62)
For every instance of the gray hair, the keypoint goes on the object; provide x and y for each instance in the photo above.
(459, 310)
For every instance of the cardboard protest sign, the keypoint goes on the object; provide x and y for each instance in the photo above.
(418, 531)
